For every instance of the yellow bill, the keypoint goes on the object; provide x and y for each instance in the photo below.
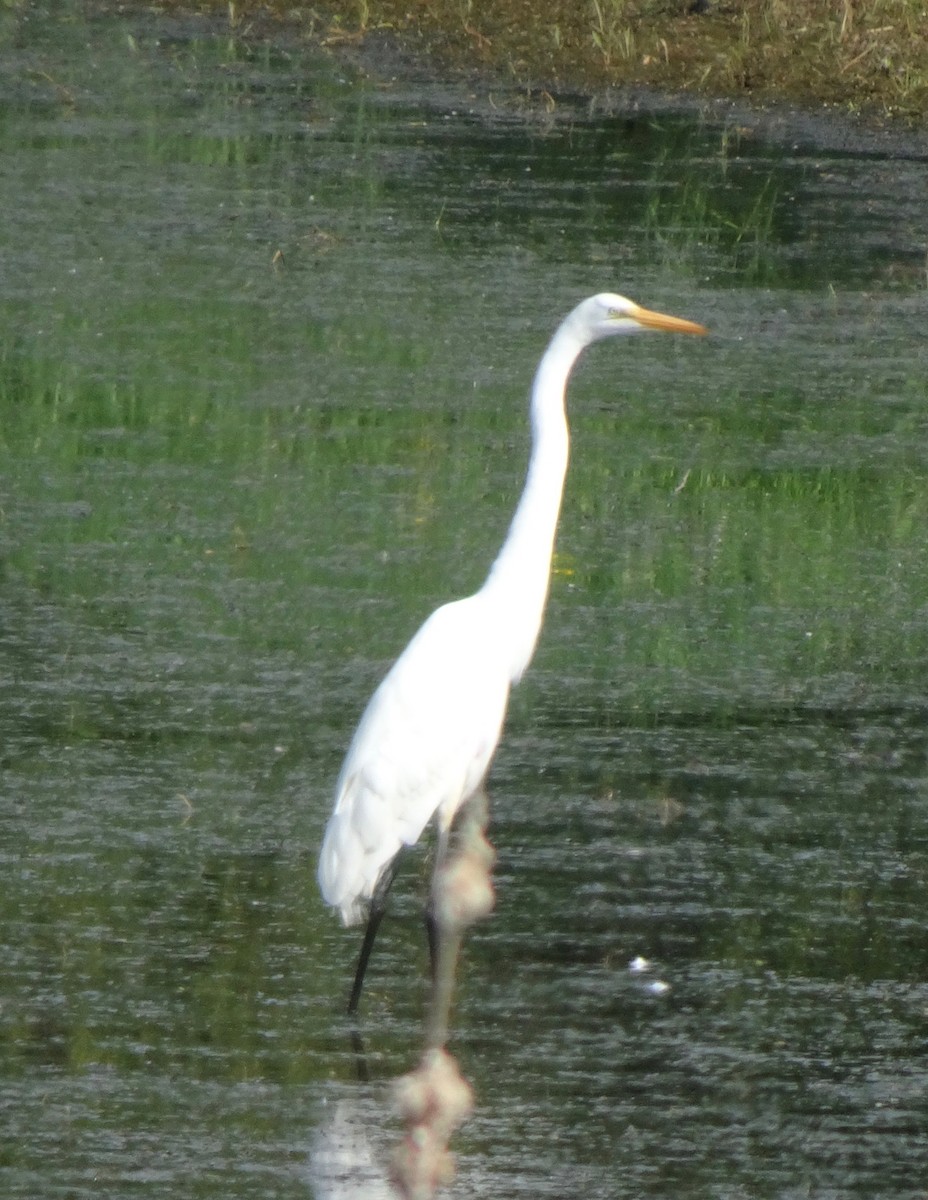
(656, 320)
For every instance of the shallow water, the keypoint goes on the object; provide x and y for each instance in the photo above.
(266, 331)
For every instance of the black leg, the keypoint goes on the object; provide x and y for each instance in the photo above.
(378, 908)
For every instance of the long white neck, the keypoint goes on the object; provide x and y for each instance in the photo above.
(517, 585)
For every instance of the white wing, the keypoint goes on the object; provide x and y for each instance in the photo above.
(422, 747)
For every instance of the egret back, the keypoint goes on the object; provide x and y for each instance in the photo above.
(422, 747)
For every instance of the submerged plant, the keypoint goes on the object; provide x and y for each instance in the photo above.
(688, 219)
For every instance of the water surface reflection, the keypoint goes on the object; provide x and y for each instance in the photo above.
(266, 336)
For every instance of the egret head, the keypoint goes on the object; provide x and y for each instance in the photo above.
(608, 314)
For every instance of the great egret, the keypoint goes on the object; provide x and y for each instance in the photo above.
(425, 741)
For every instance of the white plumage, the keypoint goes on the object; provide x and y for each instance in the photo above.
(423, 746)
(425, 741)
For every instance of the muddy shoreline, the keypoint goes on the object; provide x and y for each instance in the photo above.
(400, 62)
(387, 59)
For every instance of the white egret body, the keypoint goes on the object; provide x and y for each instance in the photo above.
(425, 741)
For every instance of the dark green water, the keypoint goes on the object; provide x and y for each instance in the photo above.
(266, 332)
